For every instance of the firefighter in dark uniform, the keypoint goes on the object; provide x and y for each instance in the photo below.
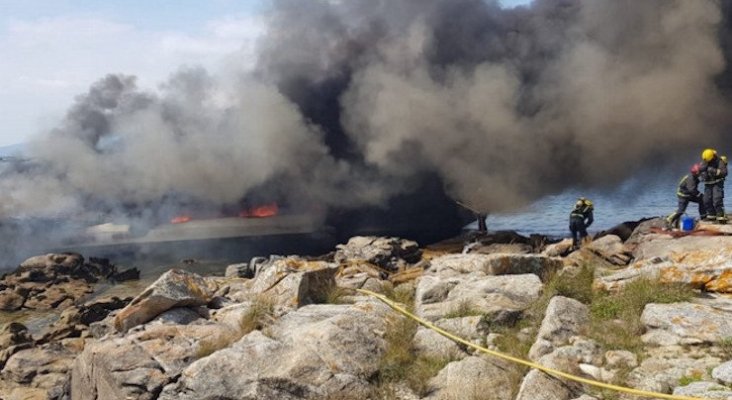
(713, 173)
(686, 193)
(579, 220)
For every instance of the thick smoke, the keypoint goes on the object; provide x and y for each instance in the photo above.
(509, 105)
(353, 102)
(198, 140)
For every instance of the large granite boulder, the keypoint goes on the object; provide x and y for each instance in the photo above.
(704, 390)
(296, 282)
(475, 294)
(314, 352)
(43, 368)
(564, 319)
(578, 357)
(494, 264)
(55, 281)
(287, 281)
(460, 285)
(473, 378)
(685, 323)
(75, 321)
(14, 337)
(175, 288)
(610, 248)
(429, 343)
(701, 262)
(723, 373)
(140, 363)
(646, 231)
(386, 252)
(537, 385)
(559, 346)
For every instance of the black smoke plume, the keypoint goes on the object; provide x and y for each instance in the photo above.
(357, 103)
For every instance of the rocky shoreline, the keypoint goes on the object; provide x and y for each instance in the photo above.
(639, 308)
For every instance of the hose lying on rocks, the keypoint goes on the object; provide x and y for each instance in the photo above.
(637, 392)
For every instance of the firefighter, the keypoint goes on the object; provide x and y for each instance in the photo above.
(713, 173)
(579, 220)
(688, 192)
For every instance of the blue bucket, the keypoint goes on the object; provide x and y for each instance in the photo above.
(687, 223)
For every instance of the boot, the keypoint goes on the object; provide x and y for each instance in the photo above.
(722, 219)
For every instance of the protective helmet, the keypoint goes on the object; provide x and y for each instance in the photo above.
(695, 169)
(708, 154)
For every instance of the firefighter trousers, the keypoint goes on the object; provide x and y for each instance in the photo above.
(673, 219)
(714, 199)
(578, 229)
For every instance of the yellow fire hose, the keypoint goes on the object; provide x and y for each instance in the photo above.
(642, 393)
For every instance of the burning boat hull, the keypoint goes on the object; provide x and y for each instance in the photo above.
(221, 238)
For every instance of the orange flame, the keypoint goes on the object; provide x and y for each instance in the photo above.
(181, 219)
(267, 210)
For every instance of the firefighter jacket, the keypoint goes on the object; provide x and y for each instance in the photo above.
(583, 210)
(687, 187)
(714, 171)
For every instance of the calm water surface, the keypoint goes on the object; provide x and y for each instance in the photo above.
(629, 202)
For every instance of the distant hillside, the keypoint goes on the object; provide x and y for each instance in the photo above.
(12, 150)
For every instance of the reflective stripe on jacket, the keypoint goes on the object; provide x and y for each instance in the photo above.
(714, 171)
(687, 187)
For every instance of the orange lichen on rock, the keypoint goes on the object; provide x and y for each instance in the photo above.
(721, 284)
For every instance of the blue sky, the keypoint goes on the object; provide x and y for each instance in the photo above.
(53, 49)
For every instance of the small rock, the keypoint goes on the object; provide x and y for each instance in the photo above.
(130, 274)
(723, 373)
(238, 271)
(620, 359)
(558, 249)
(597, 373)
(177, 316)
(14, 333)
(11, 300)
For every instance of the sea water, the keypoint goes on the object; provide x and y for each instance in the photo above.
(628, 202)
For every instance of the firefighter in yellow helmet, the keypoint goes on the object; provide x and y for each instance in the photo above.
(580, 219)
(713, 174)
